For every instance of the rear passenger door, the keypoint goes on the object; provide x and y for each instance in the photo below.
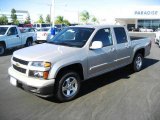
(123, 47)
(102, 60)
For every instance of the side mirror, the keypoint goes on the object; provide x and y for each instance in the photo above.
(96, 45)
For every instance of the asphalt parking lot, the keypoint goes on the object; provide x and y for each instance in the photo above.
(119, 95)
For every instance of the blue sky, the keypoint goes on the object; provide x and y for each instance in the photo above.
(70, 7)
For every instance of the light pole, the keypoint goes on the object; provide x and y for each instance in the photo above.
(52, 12)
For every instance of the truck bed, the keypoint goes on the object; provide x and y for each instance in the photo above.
(136, 38)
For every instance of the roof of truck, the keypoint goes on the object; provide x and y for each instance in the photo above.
(8, 25)
(97, 26)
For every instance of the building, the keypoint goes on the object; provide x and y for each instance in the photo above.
(140, 17)
(21, 15)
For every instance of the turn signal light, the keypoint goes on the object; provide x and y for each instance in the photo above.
(47, 64)
(45, 74)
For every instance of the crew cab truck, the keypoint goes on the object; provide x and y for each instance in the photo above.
(11, 36)
(74, 55)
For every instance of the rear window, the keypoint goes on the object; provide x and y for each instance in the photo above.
(120, 34)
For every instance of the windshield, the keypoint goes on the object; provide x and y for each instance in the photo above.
(46, 25)
(3, 30)
(73, 36)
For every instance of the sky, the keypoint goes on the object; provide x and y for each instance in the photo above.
(70, 9)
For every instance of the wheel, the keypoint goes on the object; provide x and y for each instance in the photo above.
(28, 43)
(68, 86)
(2, 49)
(137, 62)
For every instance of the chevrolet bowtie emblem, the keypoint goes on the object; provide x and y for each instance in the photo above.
(17, 64)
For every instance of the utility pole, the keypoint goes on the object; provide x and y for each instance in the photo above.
(52, 12)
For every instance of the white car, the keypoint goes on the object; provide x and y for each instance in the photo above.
(11, 36)
(44, 35)
(157, 38)
(145, 30)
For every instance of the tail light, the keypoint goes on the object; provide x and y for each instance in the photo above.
(44, 34)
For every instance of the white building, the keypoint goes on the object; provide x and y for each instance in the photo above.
(140, 17)
(21, 15)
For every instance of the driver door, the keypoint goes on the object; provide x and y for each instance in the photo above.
(102, 60)
(13, 39)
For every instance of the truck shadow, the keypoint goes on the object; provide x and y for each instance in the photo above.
(91, 85)
(108, 78)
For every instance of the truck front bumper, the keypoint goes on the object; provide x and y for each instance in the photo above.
(42, 88)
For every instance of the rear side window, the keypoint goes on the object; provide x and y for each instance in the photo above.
(120, 34)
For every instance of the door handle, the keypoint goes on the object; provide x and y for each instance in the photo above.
(17, 36)
(112, 49)
(127, 46)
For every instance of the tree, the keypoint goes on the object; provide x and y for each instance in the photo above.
(13, 16)
(61, 20)
(40, 19)
(3, 20)
(94, 20)
(48, 19)
(84, 16)
(28, 19)
(66, 22)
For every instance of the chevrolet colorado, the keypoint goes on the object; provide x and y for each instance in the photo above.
(76, 54)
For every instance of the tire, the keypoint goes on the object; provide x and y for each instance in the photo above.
(137, 62)
(28, 43)
(67, 86)
(2, 49)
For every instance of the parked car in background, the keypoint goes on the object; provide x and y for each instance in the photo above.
(41, 25)
(44, 35)
(145, 30)
(157, 38)
(11, 36)
(74, 55)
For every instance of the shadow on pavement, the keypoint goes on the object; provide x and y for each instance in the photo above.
(108, 78)
(91, 85)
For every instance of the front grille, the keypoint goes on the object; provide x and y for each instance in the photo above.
(20, 61)
(22, 70)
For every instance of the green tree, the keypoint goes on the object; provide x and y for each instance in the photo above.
(94, 20)
(13, 16)
(48, 19)
(66, 22)
(61, 20)
(40, 19)
(84, 16)
(3, 20)
(28, 19)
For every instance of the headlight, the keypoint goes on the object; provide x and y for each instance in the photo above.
(41, 64)
(39, 74)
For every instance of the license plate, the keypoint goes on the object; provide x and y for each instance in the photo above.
(13, 81)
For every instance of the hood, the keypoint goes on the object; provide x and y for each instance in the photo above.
(1, 36)
(44, 52)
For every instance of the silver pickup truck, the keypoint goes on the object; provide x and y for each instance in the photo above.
(74, 55)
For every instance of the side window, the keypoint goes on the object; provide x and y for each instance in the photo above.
(120, 34)
(105, 36)
(12, 31)
(38, 25)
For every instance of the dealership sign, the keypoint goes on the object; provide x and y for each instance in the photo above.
(146, 12)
